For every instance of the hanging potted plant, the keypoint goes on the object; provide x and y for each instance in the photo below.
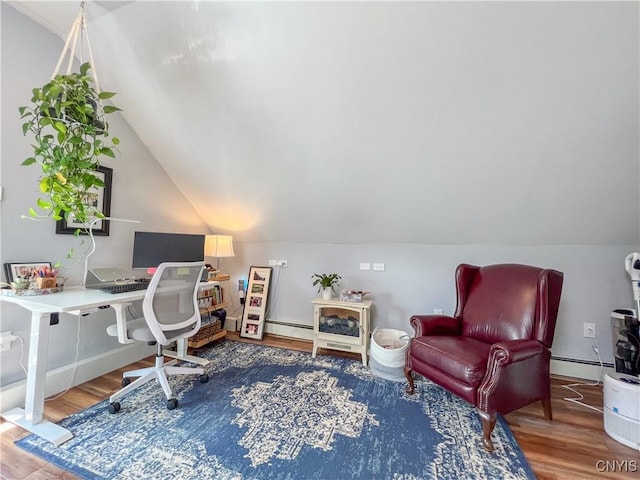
(67, 121)
(326, 283)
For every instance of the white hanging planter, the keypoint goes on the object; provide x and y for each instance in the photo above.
(65, 118)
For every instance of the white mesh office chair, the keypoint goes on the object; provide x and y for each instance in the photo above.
(170, 313)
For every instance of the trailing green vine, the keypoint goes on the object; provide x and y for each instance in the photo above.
(67, 121)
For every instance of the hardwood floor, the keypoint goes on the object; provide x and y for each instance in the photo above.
(574, 446)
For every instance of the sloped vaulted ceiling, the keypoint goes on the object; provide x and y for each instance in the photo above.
(504, 123)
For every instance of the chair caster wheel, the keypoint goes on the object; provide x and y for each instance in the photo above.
(204, 378)
(172, 403)
(125, 381)
(114, 407)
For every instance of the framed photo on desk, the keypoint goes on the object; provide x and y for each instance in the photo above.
(255, 307)
(23, 270)
(99, 198)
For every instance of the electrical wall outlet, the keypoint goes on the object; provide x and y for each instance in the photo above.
(378, 267)
(365, 266)
(5, 340)
(282, 263)
(438, 311)
(273, 263)
(589, 330)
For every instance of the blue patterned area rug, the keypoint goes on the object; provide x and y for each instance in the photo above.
(269, 413)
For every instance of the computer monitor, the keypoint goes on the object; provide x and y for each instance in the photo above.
(150, 249)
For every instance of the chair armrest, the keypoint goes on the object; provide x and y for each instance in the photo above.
(517, 374)
(515, 351)
(121, 322)
(435, 325)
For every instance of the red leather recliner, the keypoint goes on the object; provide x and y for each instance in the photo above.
(495, 350)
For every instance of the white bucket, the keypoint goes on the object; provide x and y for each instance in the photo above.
(388, 347)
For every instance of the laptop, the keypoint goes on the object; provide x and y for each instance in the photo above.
(98, 278)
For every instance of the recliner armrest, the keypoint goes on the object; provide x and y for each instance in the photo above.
(435, 325)
(515, 351)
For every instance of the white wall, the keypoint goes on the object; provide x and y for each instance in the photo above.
(419, 278)
(141, 190)
(490, 123)
(423, 135)
(482, 123)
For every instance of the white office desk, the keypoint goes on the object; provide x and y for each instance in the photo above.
(75, 301)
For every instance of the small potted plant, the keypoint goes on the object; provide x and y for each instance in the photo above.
(326, 283)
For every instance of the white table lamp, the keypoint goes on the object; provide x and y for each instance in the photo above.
(218, 246)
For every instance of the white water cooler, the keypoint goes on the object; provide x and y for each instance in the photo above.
(621, 398)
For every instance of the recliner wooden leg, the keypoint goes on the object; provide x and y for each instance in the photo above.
(411, 387)
(488, 424)
(546, 406)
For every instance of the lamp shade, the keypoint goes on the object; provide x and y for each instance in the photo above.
(218, 246)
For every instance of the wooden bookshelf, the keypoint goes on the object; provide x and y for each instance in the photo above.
(211, 296)
(213, 308)
(221, 277)
(210, 331)
(207, 334)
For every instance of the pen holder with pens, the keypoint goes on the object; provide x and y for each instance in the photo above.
(46, 282)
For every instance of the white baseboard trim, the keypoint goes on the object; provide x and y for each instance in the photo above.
(299, 332)
(13, 395)
(578, 369)
(561, 367)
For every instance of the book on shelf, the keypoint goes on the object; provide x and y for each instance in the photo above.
(210, 296)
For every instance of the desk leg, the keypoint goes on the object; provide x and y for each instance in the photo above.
(31, 417)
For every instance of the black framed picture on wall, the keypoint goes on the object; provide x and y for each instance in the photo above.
(99, 197)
